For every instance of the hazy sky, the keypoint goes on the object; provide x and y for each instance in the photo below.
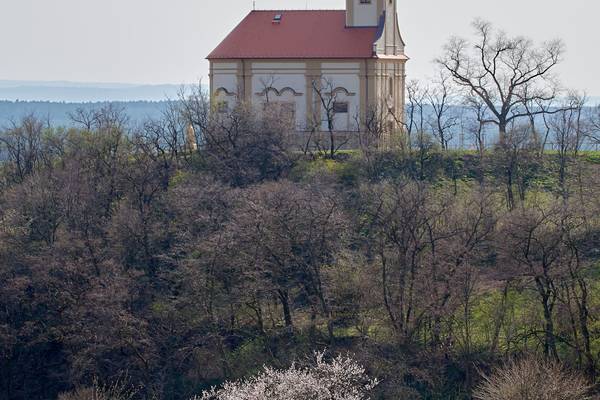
(165, 41)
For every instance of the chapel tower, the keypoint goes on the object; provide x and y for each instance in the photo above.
(382, 14)
(363, 13)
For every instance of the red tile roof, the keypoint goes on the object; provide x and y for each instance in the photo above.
(300, 34)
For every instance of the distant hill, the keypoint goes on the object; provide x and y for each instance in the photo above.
(55, 100)
(58, 112)
(62, 91)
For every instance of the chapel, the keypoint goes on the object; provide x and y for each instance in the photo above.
(351, 61)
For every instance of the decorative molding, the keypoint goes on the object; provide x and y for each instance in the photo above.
(340, 89)
(224, 90)
(400, 57)
(279, 92)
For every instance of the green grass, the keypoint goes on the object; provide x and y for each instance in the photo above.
(592, 157)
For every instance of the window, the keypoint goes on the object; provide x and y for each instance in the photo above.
(391, 86)
(340, 107)
(222, 107)
(365, 1)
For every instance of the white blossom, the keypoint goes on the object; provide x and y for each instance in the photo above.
(340, 379)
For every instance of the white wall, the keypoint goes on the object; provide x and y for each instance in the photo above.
(224, 76)
(280, 76)
(294, 75)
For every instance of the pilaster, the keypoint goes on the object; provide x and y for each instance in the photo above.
(313, 110)
(211, 78)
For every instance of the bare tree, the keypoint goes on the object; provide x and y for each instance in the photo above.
(505, 72)
(594, 134)
(575, 286)
(110, 117)
(27, 148)
(568, 130)
(195, 110)
(542, 134)
(476, 125)
(172, 138)
(290, 233)
(417, 123)
(268, 84)
(537, 247)
(443, 119)
(372, 128)
(516, 159)
(327, 97)
(415, 110)
(243, 146)
(425, 244)
(86, 118)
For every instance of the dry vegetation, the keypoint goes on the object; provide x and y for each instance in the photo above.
(531, 379)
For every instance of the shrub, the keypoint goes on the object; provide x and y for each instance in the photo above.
(532, 379)
(116, 391)
(340, 379)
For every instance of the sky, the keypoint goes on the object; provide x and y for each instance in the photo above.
(166, 41)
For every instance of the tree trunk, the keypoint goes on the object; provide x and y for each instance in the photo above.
(585, 332)
(549, 336)
(499, 319)
(285, 303)
(385, 294)
(502, 129)
(510, 196)
(331, 140)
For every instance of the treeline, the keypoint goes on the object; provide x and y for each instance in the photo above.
(155, 261)
(57, 113)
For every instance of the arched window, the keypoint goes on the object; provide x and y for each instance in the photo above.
(391, 86)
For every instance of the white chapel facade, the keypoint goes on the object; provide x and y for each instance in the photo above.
(296, 57)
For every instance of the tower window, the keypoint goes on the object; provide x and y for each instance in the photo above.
(365, 1)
